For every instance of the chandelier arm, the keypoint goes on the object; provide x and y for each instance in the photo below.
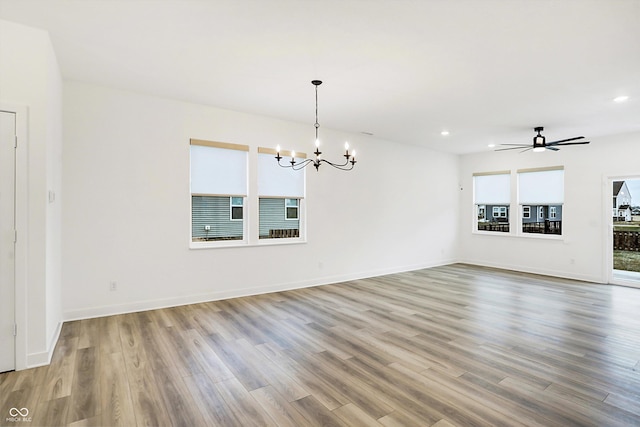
(343, 166)
(301, 165)
(295, 166)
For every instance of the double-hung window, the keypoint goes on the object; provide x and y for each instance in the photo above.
(492, 195)
(541, 190)
(280, 197)
(218, 191)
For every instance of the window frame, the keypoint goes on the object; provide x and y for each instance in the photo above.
(221, 193)
(534, 198)
(273, 183)
(497, 220)
(516, 221)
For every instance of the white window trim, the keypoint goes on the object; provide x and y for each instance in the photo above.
(515, 228)
(250, 214)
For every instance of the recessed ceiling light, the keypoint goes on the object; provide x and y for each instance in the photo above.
(444, 133)
(491, 145)
(621, 98)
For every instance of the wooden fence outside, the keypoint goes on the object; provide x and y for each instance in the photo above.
(626, 240)
(544, 227)
(494, 226)
(284, 233)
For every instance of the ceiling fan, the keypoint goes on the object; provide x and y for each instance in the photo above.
(539, 143)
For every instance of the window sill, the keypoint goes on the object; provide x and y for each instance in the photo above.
(245, 244)
(522, 235)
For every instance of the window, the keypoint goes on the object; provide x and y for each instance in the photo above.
(291, 207)
(542, 188)
(218, 190)
(236, 208)
(492, 194)
(482, 212)
(500, 211)
(280, 197)
(526, 212)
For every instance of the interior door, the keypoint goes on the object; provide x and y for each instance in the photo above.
(7, 240)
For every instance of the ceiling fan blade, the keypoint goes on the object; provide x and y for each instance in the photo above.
(564, 140)
(512, 148)
(552, 148)
(518, 145)
(574, 143)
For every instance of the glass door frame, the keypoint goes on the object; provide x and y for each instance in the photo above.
(612, 277)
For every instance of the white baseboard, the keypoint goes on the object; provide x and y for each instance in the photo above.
(109, 310)
(44, 358)
(541, 271)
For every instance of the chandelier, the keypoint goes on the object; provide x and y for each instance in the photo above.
(350, 158)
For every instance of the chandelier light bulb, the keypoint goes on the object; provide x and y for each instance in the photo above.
(346, 146)
(293, 153)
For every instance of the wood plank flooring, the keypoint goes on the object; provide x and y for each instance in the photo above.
(450, 346)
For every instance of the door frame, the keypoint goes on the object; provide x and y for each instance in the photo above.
(608, 250)
(21, 224)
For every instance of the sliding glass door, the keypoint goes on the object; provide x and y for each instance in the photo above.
(624, 249)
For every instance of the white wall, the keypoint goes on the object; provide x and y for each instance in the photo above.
(30, 78)
(126, 211)
(581, 253)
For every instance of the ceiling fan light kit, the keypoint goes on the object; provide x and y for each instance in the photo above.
(540, 144)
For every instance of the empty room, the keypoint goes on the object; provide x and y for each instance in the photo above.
(319, 213)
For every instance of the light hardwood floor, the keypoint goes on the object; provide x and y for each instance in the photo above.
(448, 346)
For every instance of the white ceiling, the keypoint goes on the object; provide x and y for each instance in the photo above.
(488, 71)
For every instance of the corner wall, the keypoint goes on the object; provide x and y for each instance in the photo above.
(127, 212)
(581, 253)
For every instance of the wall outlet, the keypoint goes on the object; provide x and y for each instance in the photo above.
(113, 286)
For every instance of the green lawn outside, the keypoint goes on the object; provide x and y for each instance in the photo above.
(626, 260)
